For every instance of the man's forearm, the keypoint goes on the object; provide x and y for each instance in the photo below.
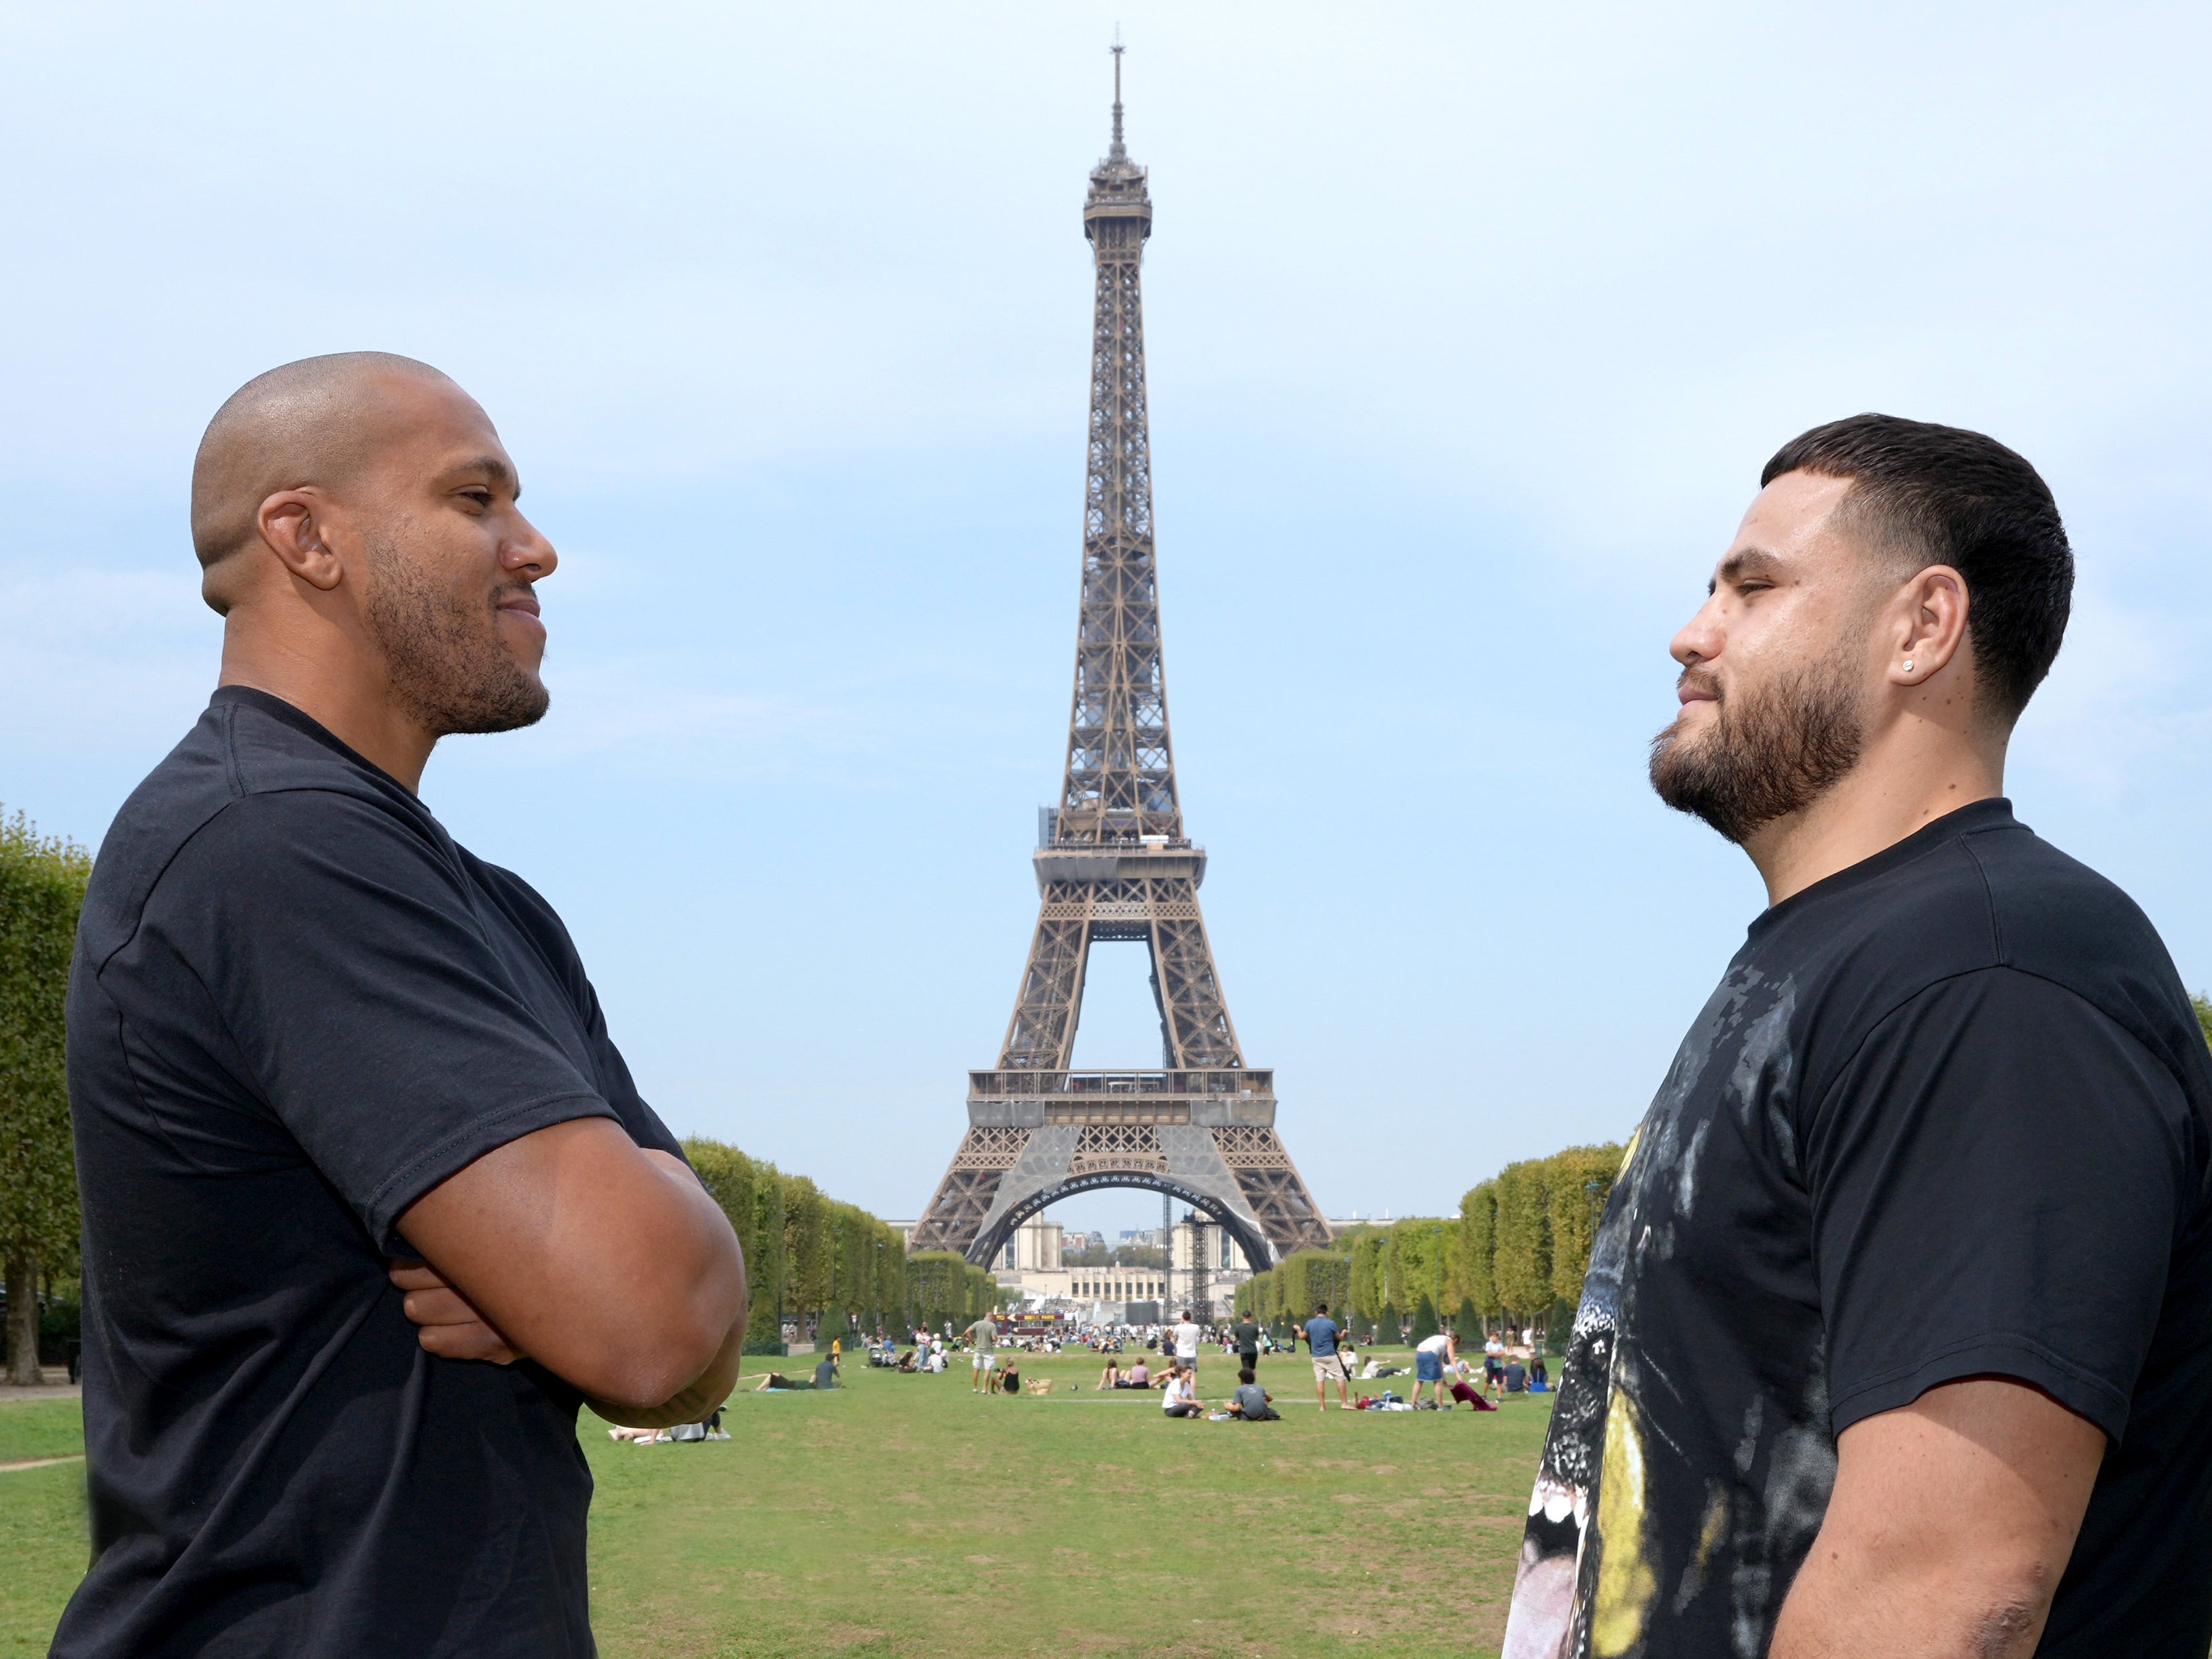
(1845, 1605)
(692, 1404)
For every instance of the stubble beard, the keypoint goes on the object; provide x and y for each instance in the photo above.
(448, 662)
(1771, 752)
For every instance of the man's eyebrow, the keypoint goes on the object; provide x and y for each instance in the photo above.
(498, 470)
(1744, 561)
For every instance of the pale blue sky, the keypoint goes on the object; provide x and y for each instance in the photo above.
(1469, 331)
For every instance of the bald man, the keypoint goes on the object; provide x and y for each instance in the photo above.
(370, 1202)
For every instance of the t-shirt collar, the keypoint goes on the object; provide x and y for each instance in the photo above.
(1994, 813)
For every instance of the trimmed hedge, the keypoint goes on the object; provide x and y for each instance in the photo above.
(806, 1254)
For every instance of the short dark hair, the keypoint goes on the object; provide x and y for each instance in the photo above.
(1940, 494)
(1244, 1374)
(1321, 1307)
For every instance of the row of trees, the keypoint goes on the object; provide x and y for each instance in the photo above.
(812, 1260)
(1518, 1248)
(42, 884)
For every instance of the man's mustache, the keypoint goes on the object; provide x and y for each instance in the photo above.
(1698, 680)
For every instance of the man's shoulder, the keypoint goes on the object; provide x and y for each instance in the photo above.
(238, 787)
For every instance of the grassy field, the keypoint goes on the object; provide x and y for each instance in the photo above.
(904, 1515)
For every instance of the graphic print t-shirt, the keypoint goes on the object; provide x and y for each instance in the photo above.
(1948, 1115)
(296, 1006)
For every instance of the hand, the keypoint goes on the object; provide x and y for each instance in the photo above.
(452, 1329)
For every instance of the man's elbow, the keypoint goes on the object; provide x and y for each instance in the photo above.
(2009, 1599)
(650, 1346)
(650, 1358)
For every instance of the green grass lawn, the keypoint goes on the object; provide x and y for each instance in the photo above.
(905, 1515)
(42, 1531)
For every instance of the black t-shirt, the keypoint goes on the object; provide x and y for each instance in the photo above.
(296, 1005)
(1247, 1337)
(1948, 1115)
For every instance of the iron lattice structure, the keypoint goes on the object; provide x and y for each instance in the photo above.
(1113, 863)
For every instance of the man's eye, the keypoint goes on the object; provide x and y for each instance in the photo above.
(481, 498)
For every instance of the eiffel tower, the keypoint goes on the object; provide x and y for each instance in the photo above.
(1113, 863)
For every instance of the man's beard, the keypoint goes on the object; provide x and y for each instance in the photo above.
(450, 666)
(1770, 752)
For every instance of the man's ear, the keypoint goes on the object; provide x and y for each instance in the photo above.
(1929, 631)
(291, 524)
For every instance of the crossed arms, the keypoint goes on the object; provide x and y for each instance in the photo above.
(605, 1262)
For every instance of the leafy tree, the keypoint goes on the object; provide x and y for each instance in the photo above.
(1578, 1180)
(1468, 1322)
(1390, 1329)
(42, 884)
(854, 1263)
(2203, 1003)
(1523, 1256)
(1478, 1246)
(1368, 1291)
(1312, 1277)
(1424, 1322)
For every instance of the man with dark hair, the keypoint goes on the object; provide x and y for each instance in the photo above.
(1322, 1335)
(370, 1201)
(1893, 1336)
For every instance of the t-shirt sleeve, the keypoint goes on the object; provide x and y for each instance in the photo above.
(1996, 1176)
(368, 1010)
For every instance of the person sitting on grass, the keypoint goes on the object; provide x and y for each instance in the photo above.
(1139, 1375)
(1181, 1397)
(1111, 1377)
(906, 1362)
(826, 1373)
(1010, 1377)
(1251, 1401)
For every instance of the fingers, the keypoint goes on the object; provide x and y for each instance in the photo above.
(452, 1327)
(439, 1307)
(474, 1340)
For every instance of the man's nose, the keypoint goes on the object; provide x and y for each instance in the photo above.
(1699, 639)
(527, 550)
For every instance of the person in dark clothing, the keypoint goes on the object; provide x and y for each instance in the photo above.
(1250, 1401)
(352, 1137)
(1247, 1335)
(1895, 1316)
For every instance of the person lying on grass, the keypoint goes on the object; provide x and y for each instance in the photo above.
(1111, 1377)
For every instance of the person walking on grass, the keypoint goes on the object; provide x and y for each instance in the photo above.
(983, 1341)
(1894, 1333)
(1187, 1336)
(1246, 1336)
(1327, 1363)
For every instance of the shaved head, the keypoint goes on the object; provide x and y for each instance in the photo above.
(314, 422)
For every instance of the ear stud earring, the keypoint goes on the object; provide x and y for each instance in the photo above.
(1908, 668)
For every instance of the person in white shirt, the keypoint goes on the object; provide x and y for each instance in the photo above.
(1182, 1397)
(1186, 1344)
(1430, 1360)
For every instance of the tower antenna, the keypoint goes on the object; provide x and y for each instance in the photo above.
(1117, 152)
